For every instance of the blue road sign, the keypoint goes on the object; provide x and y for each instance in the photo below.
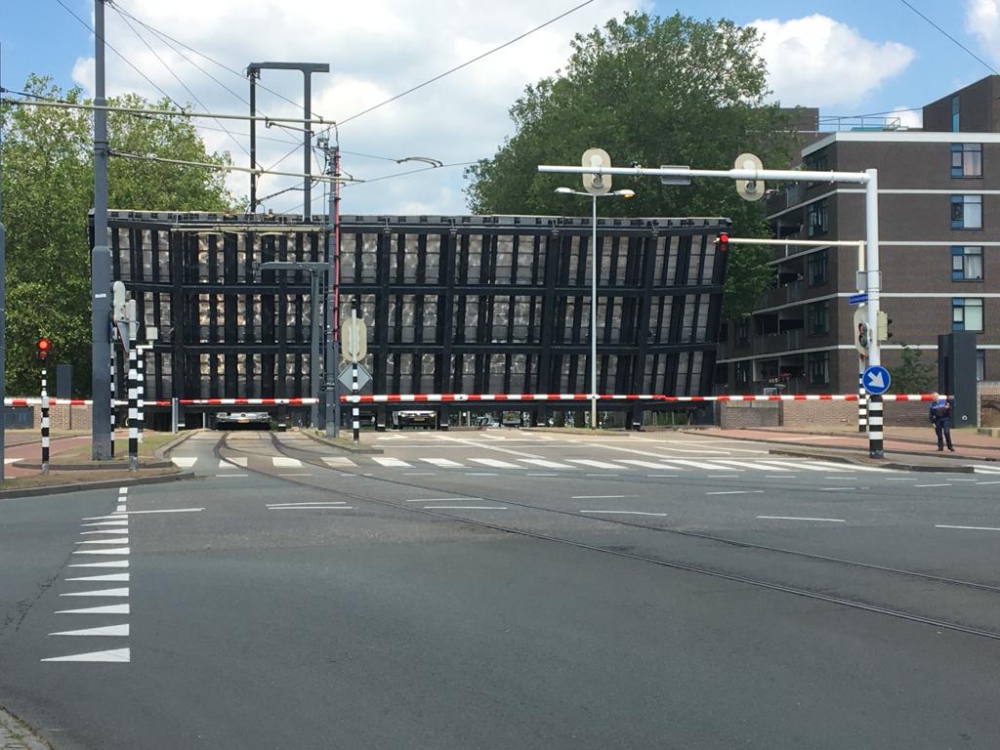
(876, 380)
(858, 299)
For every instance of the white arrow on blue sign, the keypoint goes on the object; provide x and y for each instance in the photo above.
(876, 380)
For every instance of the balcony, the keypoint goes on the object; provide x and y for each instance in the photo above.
(783, 295)
(778, 343)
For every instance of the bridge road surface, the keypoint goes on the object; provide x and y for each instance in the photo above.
(295, 601)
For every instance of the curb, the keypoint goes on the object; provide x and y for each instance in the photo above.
(362, 450)
(163, 450)
(116, 465)
(61, 489)
(897, 465)
(18, 735)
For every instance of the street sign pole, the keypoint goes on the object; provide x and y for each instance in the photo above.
(876, 442)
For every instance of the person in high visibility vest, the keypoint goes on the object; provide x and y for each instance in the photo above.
(940, 416)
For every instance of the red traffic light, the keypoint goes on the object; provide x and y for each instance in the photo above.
(723, 241)
(42, 348)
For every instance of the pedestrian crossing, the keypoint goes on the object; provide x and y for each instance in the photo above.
(670, 464)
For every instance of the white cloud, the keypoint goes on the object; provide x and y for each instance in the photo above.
(375, 49)
(982, 20)
(818, 61)
(908, 117)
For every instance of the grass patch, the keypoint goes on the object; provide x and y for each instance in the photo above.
(151, 442)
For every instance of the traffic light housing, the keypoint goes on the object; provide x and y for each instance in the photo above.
(723, 241)
(884, 321)
(863, 335)
(42, 349)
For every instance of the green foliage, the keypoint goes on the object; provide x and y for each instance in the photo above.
(48, 189)
(651, 91)
(912, 376)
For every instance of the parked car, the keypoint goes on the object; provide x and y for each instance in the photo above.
(245, 419)
(414, 418)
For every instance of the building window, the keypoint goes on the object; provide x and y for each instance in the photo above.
(743, 332)
(980, 364)
(819, 318)
(742, 373)
(966, 160)
(966, 314)
(966, 212)
(819, 222)
(817, 268)
(819, 368)
(956, 111)
(966, 263)
(817, 161)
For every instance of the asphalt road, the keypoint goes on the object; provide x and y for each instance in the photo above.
(507, 590)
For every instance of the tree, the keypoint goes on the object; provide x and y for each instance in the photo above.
(912, 376)
(650, 91)
(48, 189)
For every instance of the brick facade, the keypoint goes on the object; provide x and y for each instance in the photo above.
(63, 417)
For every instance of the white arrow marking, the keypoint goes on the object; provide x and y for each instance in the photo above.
(109, 564)
(876, 380)
(116, 540)
(110, 551)
(116, 577)
(111, 609)
(110, 630)
(116, 656)
(122, 592)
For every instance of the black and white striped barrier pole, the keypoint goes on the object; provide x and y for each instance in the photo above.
(45, 421)
(133, 411)
(876, 448)
(140, 373)
(113, 394)
(862, 401)
(355, 411)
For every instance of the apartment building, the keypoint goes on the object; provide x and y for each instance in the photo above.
(939, 224)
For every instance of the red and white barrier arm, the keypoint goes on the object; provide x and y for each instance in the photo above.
(449, 398)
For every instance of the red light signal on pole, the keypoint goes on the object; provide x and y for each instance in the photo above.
(42, 349)
(723, 241)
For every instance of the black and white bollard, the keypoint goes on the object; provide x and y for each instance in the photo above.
(862, 402)
(45, 422)
(140, 405)
(112, 381)
(355, 411)
(876, 447)
(133, 411)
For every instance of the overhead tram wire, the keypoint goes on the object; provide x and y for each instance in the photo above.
(412, 171)
(438, 77)
(953, 39)
(181, 82)
(225, 67)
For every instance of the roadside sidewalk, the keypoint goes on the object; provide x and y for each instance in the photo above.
(899, 441)
(15, 735)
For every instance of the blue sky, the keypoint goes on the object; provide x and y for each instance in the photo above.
(884, 56)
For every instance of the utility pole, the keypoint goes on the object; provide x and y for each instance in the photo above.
(100, 257)
(332, 389)
(3, 303)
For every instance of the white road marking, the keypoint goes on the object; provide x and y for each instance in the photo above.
(123, 490)
(799, 518)
(603, 476)
(546, 464)
(338, 461)
(699, 464)
(444, 463)
(230, 475)
(745, 464)
(11, 460)
(118, 540)
(480, 474)
(120, 509)
(495, 463)
(122, 522)
(967, 528)
(775, 464)
(933, 485)
(594, 464)
(297, 474)
(707, 451)
(737, 492)
(540, 474)
(987, 482)
(986, 468)
(290, 505)
(122, 592)
(848, 467)
(117, 530)
(109, 630)
(419, 474)
(109, 578)
(780, 476)
(184, 462)
(392, 463)
(599, 497)
(115, 551)
(115, 656)
(228, 463)
(110, 609)
(317, 507)
(444, 499)
(723, 476)
(835, 489)
(463, 507)
(625, 512)
(284, 462)
(108, 564)
(166, 510)
(645, 464)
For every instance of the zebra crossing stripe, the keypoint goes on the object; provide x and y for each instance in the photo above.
(546, 464)
(495, 463)
(647, 464)
(392, 463)
(593, 464)
(444, 463)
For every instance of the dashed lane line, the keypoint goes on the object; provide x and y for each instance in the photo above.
(801, 518)
(966, 528)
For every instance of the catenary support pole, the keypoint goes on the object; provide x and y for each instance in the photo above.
(874, 288)
(100, 257)
(315, 313)
(594, 272)
(3, 342)
(45, 421)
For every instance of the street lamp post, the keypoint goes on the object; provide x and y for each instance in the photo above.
(593, 287)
